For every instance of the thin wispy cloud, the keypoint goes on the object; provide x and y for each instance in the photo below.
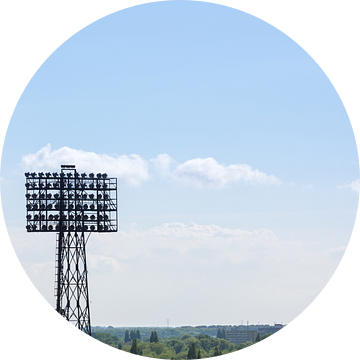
(179, 243)
(173, 243)
(354, 186)
(198, 256)
(133, 170)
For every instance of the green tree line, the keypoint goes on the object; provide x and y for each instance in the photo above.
(171, 332)
(184, 347)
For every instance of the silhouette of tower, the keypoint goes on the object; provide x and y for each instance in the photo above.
(72, 205)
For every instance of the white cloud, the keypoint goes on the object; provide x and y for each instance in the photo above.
(133, 170)
(354, 186)
(130, 170)
(208, 173)
(40, 268)
(162, 164)
(101, 262)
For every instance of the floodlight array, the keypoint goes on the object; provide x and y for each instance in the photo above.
(70, 201)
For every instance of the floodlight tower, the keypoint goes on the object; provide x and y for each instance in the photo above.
(71, 204)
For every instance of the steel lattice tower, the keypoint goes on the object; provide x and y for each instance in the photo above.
(71, 205)
(71, 285)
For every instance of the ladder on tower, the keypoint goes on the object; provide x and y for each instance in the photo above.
(56, 264)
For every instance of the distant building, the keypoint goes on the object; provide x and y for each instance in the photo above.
(237, 336)
(268, 329)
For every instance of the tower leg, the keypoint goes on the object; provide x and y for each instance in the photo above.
(72, 295)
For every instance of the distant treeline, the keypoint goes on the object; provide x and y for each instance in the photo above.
(184, 346)
(164, 332)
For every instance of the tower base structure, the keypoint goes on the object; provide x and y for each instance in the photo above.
(71, 284)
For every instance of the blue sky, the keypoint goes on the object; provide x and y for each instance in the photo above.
(260, 150)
